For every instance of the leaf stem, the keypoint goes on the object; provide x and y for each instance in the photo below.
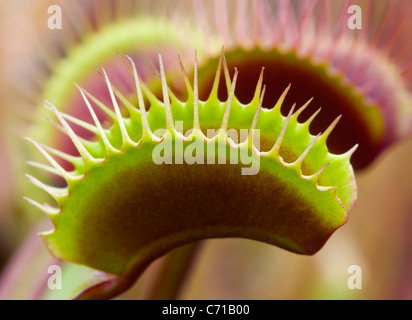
(174, 272)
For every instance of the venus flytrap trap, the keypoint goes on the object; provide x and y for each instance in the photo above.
(310, 45)
(124, 204)
(363, 74)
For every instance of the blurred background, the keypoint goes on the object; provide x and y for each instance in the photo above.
(376, 238)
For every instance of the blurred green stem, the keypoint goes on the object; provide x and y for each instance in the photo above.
(174, 272)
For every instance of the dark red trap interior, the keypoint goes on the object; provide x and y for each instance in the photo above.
(351, 129)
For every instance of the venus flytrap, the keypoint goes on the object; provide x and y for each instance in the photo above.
(365, 76)
(122, 209)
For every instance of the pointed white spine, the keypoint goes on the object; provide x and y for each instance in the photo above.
(316, 175)
(185, 78)
(259, 86)
(302, 108)
(55, 124)
(302, 157)
(142, 108)
(60, 154)
(256, 116)
(129, 106)
(329, 130)
(53, 162)
(43, 167)
(149, 95)
(54, 192)
(312, 117)
(119, 118)
(281, 99)
(229, 102)
(80, 147)
(275, 149)
(215, 88)
(100, 131)
(80, 123)
(227, 74)
(45, 208)
(166, 99)
(348, 154)
(100, 104)
(172, 96)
